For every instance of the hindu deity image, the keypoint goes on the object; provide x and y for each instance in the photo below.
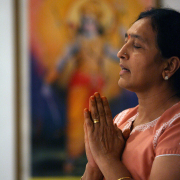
(73, 50)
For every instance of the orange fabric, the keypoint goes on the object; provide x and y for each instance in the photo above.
(81, 87)
(93, 83)
(148, 141)
(77, 98)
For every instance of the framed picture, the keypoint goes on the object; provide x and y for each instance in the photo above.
(69, 52)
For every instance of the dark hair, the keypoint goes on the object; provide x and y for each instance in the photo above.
(166, 23)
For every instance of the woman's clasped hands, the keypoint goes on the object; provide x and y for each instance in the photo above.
(104, 142)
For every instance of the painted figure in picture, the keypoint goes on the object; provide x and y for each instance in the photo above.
(88, 50)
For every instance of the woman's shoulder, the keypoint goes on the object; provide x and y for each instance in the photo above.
(170, 115)
(166, 132)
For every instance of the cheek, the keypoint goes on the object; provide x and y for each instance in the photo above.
(143, 61)
(138, 64)
(142, 69)
(146, 72)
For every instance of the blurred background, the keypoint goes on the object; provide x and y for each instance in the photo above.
(53, 56)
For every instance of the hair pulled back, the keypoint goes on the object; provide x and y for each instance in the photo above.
(166, 23)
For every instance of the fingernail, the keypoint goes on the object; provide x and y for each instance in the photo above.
(86, 110)
(96, 94)
(92, 97)
(103, 98)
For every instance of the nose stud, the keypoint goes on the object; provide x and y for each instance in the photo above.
(125, 53)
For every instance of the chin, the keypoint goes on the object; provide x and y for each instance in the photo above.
(123, 84)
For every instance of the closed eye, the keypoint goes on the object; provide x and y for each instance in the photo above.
(137, 47)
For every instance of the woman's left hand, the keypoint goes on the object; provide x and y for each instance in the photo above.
(106, 141)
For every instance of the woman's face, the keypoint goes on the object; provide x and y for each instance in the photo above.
(140, 59)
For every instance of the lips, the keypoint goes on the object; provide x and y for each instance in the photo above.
(124, 68)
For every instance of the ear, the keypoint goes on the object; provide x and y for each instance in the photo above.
(171, 66)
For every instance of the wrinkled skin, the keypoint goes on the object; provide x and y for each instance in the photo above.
(104, 142)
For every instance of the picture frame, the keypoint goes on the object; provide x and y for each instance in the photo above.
(46, 44)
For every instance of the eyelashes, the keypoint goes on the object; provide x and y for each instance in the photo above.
(136, 46)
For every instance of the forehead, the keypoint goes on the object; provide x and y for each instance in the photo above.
(143, 29)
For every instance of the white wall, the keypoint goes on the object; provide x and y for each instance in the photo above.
(7, 86)
(175, 4)
(7, 124)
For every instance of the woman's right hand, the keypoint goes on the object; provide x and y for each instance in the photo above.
(92, 171)
(90, 158)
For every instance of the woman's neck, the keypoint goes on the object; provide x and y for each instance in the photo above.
(153, 105)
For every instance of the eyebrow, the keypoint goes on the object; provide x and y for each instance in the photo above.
(135, 36)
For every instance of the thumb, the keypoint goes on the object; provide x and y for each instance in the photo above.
(126, 133)
(119, 132)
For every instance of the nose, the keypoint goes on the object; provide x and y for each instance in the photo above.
(122, 54)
